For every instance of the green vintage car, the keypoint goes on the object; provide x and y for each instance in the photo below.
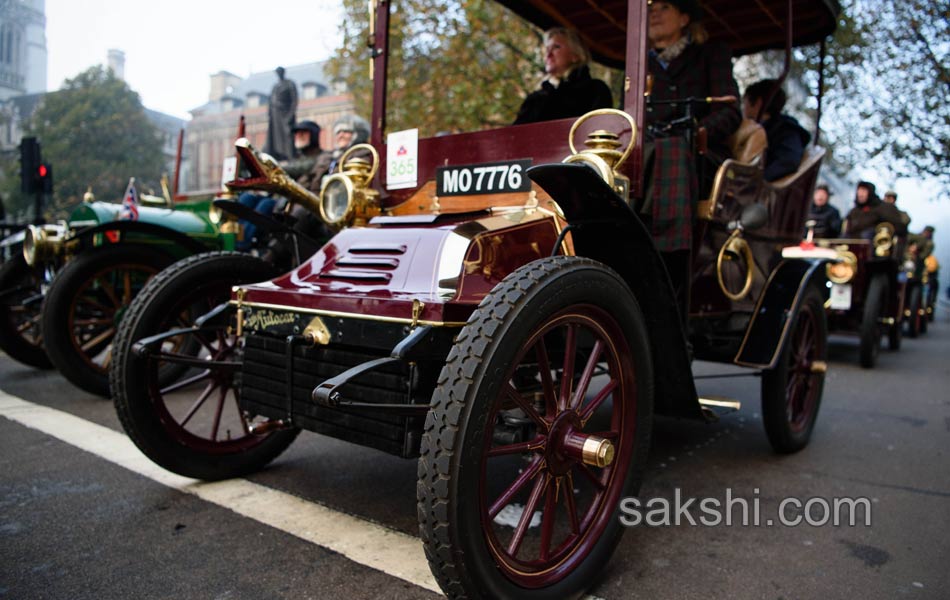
(62, 296)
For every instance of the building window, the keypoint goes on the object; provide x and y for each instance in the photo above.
(309, 91)
(4, 37)
(8, 47)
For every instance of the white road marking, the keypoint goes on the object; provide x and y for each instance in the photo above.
(361, 541)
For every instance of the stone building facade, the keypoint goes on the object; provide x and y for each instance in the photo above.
(210, 135)
(23, 57)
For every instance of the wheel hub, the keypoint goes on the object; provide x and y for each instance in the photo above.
(567, 445)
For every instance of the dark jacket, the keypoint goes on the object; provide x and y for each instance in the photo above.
(787, 140)
(701, 71)
(575, 96)
(313, 179)
(827, 221)
(863, 218)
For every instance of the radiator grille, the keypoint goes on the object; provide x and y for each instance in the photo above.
(264, 380)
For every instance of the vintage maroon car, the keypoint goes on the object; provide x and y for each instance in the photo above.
(501, 314)
(867, 290)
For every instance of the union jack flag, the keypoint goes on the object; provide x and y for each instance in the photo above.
(130, 203)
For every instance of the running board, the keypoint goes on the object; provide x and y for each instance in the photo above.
(716, 406)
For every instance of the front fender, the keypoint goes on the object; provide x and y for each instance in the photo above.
(85, 237)
(768, 331)
(604, 228)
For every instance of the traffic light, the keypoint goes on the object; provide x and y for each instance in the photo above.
(30, 161)
(44, 175)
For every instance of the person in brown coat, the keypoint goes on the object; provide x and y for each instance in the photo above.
(869, 210)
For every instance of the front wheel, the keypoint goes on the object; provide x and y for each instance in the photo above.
(930, 299)
(539, 426)
(870, 331)
(791, 392)
(21, 300)
(178, 401)
(894, 335)
(84, 305)
(914, 322)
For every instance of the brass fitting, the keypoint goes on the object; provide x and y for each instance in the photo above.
(598, 451)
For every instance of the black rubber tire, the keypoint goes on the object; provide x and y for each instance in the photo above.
(20, 329)
(870, 331)
(931, 299)
(913, 306)
(895, 335)
(192, 285)
(72, 289)
(795, 361)
(449, 466)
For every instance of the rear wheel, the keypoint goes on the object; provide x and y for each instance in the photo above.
(192, 424)
(870, 330)
(554, 361)
(791, 392)
(85, 303)
(21, 301)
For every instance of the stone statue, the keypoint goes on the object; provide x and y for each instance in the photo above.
(281, 117)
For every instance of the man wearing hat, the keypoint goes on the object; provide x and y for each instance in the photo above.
(924, 241)
(312, 162)
(869, 211)
(826, 217)
(308, 169)
(890, 197)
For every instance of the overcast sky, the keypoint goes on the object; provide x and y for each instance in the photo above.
(172, 46)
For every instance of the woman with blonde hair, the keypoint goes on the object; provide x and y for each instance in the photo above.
(567, 89)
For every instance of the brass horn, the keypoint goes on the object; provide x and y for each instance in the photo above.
(737, 246)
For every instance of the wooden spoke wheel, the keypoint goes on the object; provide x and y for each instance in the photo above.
(192, 423)
(85, 305)
(539, 427)
(791, 392)
(21, 301)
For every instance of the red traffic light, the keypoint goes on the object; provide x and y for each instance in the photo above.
(42, 170)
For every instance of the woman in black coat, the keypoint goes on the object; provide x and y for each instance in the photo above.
(567, 90)
(682, 64)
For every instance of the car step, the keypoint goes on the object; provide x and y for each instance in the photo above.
(717, 406)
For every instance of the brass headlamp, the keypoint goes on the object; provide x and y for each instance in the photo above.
(602, 150)
(346, 198)
(883, 239)
(42, 243)
(844, 269)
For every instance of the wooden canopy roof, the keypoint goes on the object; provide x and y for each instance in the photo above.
(747, 26)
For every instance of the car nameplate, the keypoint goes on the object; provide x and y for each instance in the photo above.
(840, 296)
(488, 178)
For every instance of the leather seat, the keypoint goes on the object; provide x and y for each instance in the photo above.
(748, 143)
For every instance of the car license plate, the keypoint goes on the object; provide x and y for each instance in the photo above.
(840, 296)
(501, 177)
